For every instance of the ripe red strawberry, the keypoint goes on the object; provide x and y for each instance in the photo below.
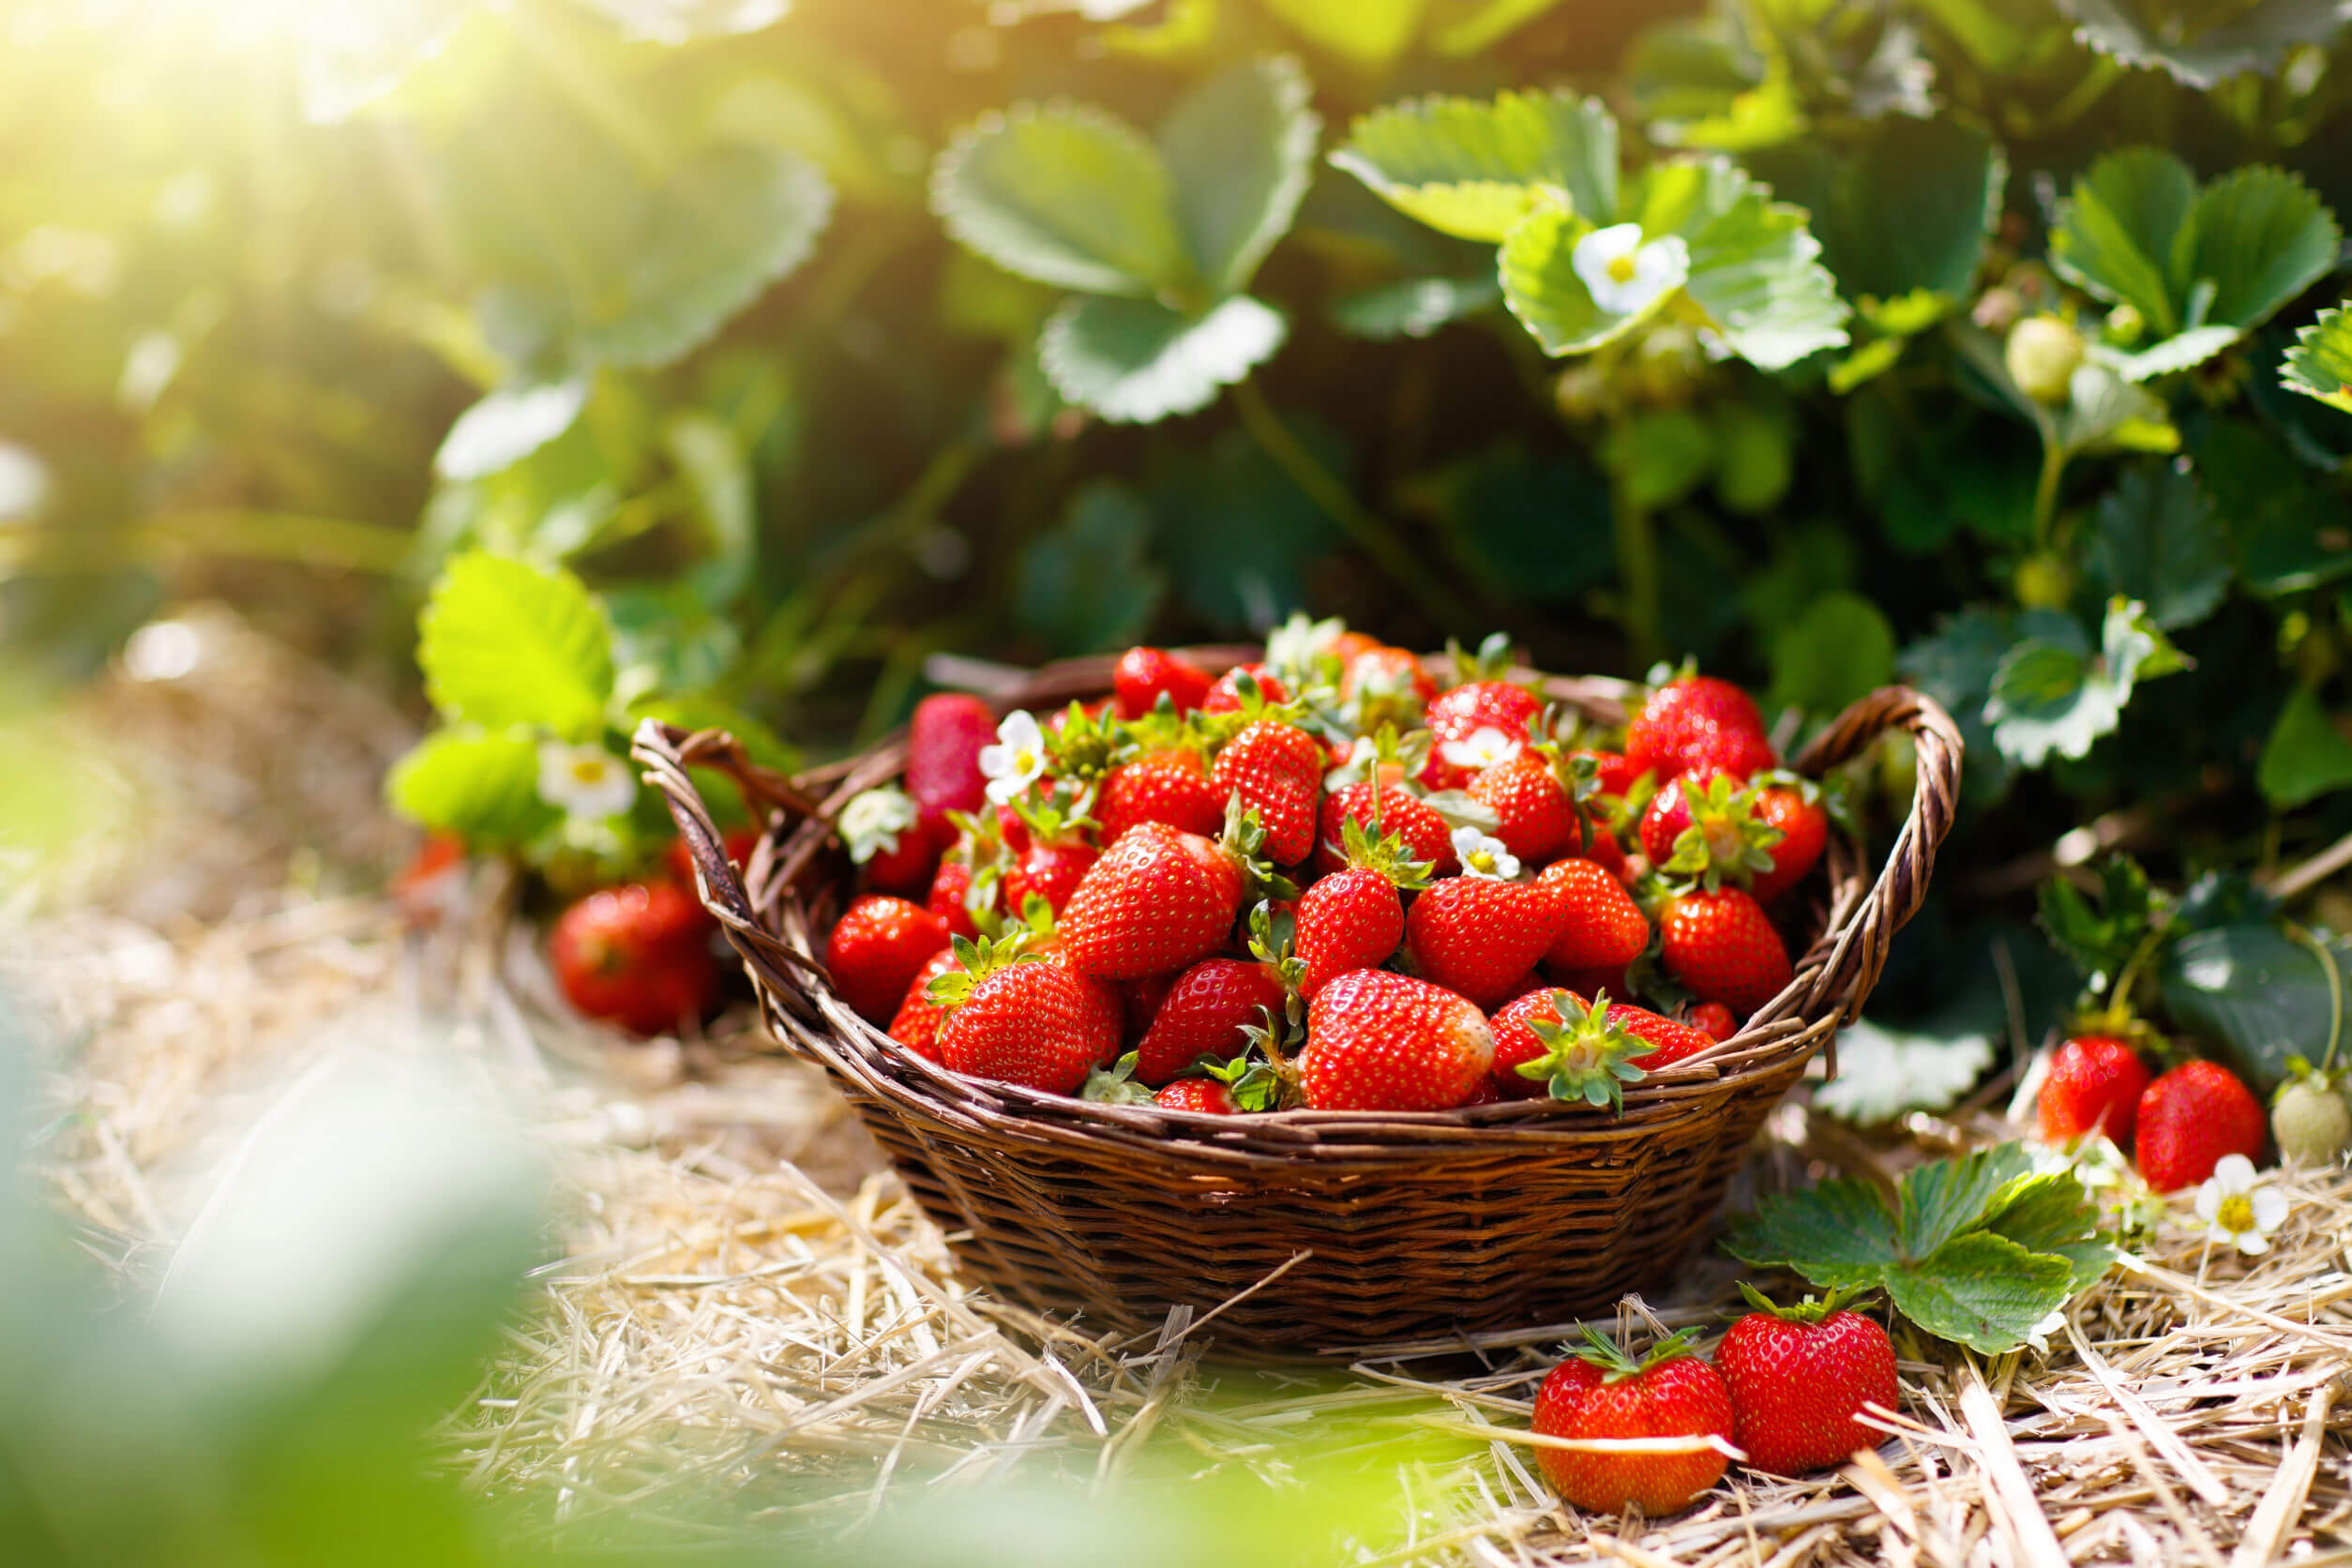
(1384, 681)
(877, 948)
(915, 1025)
(1573, 1051)
(1602, 1393)
(1168, 785)
(943, 742)
(1399, 811)
(1533, 816)
(638, 955)
(1602, 927)
(2189, 1118)
(1603, 850)
(1612, 770)
(1355, 918)
(1206, 1013)
(1697, 722)
(1277, 771)
(950, 897)
(1049, 869)
(1139, 1002)
(1378, 1041)
(885, 832)
(1226, 696)
(1019, 1018)
(1456, 715)
(1721, 945)
(1157, 900)
(1478, 935)
(1206, 1095)
(1714, 1021)
(1142, 675)
(1799, 1376)
(1804, 829)
(2095, 1081)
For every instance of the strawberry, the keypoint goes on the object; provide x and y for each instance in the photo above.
(1277, 771)
(2095, 1082)
(1021, 1018)
(1227, 696)
(1714, 1021)
(1206, 1095)
(432, 883)
(1206, 1013)
(1798, 1376)
(1456, 717)
(1168, 785)
(2191, 1117)
(1139, 1002)
(1602, 927)
(1601, 1393)
(1383, 685)
(1158, 900)
(1704, 824)
(1143, 675)
(1378, 1041)
(877, 948)
(1572, 1050)
(1697, 722)
(943, 742)
(1478, 934)
(1721, 945)
(1603, 850)
(638, 955)
(883, 831)
(1393, 810)
(1049, 870)
(950, 897)
(1355, 918)
(1804, 833)
(915, 1025)
(1613, 771)
(1534, 815)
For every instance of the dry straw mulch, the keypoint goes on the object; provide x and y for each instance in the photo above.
(747, 1322)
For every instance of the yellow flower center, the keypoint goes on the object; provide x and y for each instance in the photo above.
(1025, 762)
(586, 771)
(1621, 268)
(2236, 1214)
(1482, 860)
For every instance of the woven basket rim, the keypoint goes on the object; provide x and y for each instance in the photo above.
(770, 924)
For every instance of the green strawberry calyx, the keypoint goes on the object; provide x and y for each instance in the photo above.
(1273, 936)
(1115, 1085)
(1617, 1365)
(1386, 853)
(979, 960)
(1244, 838)
(1261, 1077)
(1491, 662)
(1843, 1299)
(1586, 1057)
(1083, 747)
(1726, 841)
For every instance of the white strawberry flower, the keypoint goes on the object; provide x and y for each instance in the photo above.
(1484, 856)
(1017, 760)
(1624, 275)
(871, 823)
(1480, 750)
(584, 780)
(2238, 1209)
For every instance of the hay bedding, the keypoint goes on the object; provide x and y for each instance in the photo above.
(751, 1321)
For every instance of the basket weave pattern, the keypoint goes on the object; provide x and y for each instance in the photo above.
(1347, 1228)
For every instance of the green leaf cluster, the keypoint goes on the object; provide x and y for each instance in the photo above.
(1978, 1250)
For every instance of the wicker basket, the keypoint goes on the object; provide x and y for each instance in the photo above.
(1316, 1232)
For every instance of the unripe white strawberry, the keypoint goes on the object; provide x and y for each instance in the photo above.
(2311, 1122)
(2042, 353)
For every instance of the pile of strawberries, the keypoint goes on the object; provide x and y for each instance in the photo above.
(2176, 1126)
(1323, 880)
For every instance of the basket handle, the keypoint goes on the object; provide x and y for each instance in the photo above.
(1854, 963)
(665, 752)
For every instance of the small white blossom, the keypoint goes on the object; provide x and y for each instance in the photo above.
(2238, 1209)
(1624, 275)
(1480, 750)
(1018, 759)
(871, 823)
(584, 780)
(1484, 856)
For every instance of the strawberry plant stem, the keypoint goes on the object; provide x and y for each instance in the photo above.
(1373, 536)
(2045, 490)
(1637, 564)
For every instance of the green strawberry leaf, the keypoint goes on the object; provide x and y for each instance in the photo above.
(1838, 648)
(1369, 33)
(1065, 195)
(1474, 169)
(480, 785)
(2306, 756)
(1136, 361)
(1753, 267)
(2104, 412)
(1977, 1250)
(2100, 941)
(1241, 147)
(2053, 692)
(2157, 537)
(2261, 238)
(1980, 1291)
(2115, 232)
(2183, 351)
(2256, 39)
(1414, 307)
(507, 426)
(2254, 997)
(1090, 583)
(1459, 28)
(503, 642)
(1913, 213)
(2320, 363)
